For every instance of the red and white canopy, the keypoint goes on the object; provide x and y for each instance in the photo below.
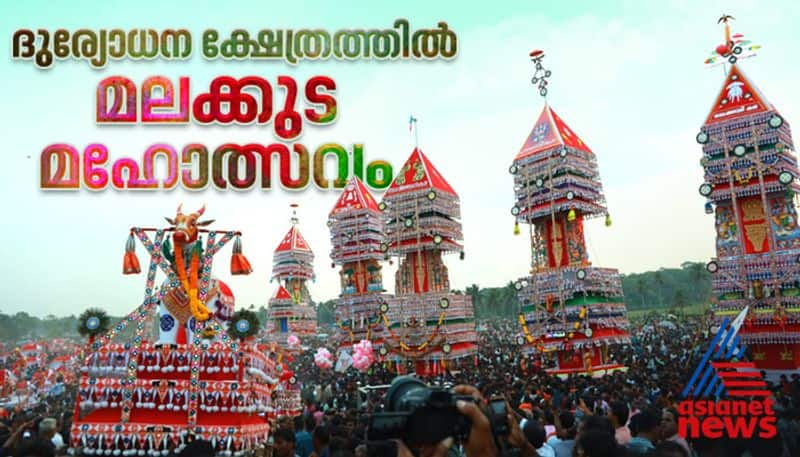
(355, 196)
(293, 241)
(549, 132)
(418, 173)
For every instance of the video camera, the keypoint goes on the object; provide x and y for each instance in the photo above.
(418, 415)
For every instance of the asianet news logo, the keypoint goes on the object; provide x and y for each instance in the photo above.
(742, 407)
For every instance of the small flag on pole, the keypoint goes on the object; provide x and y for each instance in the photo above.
(411, 121)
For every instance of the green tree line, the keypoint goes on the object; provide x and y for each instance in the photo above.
(664, 288)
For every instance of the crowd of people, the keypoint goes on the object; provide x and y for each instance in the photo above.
(626, 413)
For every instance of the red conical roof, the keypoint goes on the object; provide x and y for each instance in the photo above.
(548, 132)
(293, 241)
(355, 196)
(281, 294)
(418, 173)
(737, 97)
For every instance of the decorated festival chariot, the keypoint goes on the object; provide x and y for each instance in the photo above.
(183, 365)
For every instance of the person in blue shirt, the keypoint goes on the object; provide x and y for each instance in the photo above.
(567, 430)
(302, 438)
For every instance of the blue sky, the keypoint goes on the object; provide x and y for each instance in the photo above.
(628, 77)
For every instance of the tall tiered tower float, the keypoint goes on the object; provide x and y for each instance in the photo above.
(357, 232)
(426, 321)
(290, 310)
(570, 308)
(750, 182)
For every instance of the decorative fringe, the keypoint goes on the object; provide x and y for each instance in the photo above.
(239, 263)
(516, 228)
(130, 263)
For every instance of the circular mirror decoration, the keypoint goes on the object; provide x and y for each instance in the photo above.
(706, 189)
(292, 380)
(513, 169)
(581, 274)
(432, 195)
(739, 150)
(437, 239)
(446, 348)
(702, 138)
(444, 303)
(383, 350)
(515, 210)
(408, 222)
(520, 340)
(384, 247)
(242, 325)
(539, 182)
(775, 121)
(712, 266)
(570, 195)
(518, 285)
(588, 332)
(785, 178)
(384, 308)
(93, 323)
(563, 152)
(382, 206)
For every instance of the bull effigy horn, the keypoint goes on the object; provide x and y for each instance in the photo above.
(201, 211)
(179, 208)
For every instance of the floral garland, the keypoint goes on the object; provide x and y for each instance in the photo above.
(199, 310)
(418, 350)
(371, 325)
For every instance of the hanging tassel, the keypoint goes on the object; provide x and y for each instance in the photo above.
(608, 220)
(239, 263)
(571, 215)
(130, 263)
(180, 337)
(516, 228)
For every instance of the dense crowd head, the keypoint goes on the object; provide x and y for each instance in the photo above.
(638, 405)
(621, 414)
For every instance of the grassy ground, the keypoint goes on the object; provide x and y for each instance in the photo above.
(689, 309)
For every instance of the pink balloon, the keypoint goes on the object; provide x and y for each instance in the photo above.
(323, 359)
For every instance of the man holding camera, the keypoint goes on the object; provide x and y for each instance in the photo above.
(492, 428)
